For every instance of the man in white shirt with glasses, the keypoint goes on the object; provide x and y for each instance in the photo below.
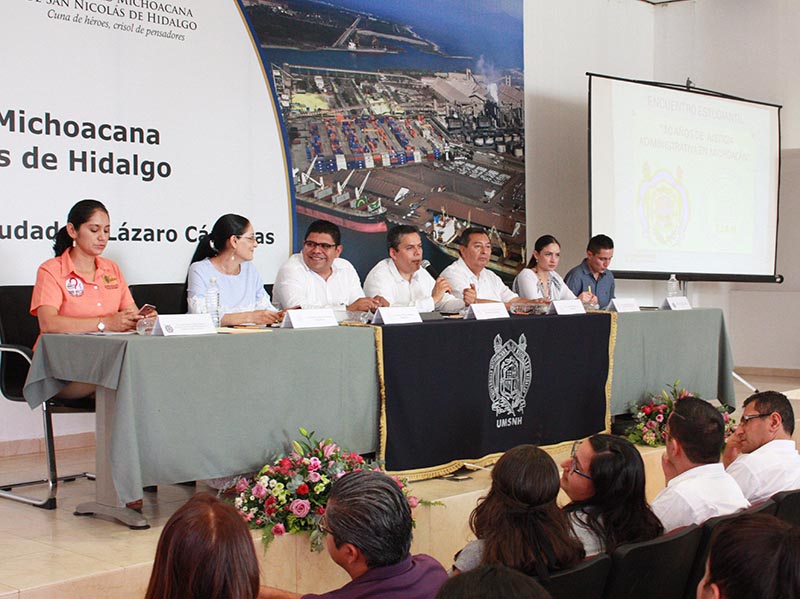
(318, 278)
(761, 455)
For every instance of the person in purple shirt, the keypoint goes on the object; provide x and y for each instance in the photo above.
(368, 525)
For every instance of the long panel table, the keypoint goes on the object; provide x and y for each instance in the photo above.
(171, 409)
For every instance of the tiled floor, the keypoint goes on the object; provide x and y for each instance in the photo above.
(56, 554)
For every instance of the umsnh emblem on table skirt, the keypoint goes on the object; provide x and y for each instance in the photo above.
(510, 375)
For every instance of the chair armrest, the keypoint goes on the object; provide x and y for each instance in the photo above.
(23, 351)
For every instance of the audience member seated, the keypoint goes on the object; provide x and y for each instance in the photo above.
(761, 455)
(592, 274)
(540, 281)
(318, 278)
(753, 556)
(368, 533)
(205, 552)
(698, 488)
(470, 279)
(492, 582)
(518, 523)
(400, 280)
(78, 291)
(604, 477)
(226, 255)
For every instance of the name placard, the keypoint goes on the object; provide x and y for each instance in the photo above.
(183, 324)
(624, 304)
(309, 319)
(487, 311)
(568, 306)
(680, 302)
(396, 315)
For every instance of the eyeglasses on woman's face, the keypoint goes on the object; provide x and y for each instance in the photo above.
(574, 457)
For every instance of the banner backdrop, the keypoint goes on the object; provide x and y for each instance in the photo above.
(161, 110)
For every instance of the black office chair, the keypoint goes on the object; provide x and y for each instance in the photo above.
(587, 580)
(708, 527)
(788, 506)
(18, 333)
(168, 298)
(656, 569)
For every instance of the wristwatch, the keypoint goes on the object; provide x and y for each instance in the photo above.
(101, 326)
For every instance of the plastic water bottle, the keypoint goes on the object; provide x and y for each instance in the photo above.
(212, 300)
(673, 286)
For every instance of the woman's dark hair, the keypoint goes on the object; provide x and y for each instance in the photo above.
(78, 214)
(618, 512)
(492, 582)
(205, 552)
(540, 244)
(212, 244)
(754, 556)
(519, 522)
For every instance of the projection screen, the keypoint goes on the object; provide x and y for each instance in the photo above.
(684, 181)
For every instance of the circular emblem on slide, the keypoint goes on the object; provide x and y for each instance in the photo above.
(663, 208)
(74, 286)
(510, 375)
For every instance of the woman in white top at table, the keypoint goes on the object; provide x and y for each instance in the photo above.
(226, 255)
(540, 281)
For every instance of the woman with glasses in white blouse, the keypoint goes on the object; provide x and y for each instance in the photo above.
(226, 255)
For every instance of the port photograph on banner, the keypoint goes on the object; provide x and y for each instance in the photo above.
(163, 111)
(402, 113)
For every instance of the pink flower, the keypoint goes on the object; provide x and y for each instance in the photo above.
(660, 418)
(413, 501)
(259, 491)
(329, 449)
(340, 474)
(314, 477)
(278, 530)
(242, 485)
(314, 464)
(300, 507)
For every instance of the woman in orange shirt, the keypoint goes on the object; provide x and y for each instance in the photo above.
(78, 291)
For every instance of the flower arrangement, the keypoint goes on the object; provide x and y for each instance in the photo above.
(651, 416)
(290, 494)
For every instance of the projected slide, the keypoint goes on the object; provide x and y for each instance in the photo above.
(161, 110)
(684, 182)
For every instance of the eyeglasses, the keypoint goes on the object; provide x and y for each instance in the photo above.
(251, 238)
(575, 467)
(749, 417)
(312, 245)
(323, 529)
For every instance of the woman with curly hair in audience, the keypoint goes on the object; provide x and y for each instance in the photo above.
(604, 478)
(518, 523)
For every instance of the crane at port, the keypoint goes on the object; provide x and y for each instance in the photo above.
(361, 187)
(305, 177)
(340, 187)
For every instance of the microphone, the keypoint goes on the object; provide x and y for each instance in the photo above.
(429, 269)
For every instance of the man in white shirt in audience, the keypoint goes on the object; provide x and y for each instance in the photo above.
(698, 488)
(469, 277)
(318, 278)
(400, 280)
(761, 455)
